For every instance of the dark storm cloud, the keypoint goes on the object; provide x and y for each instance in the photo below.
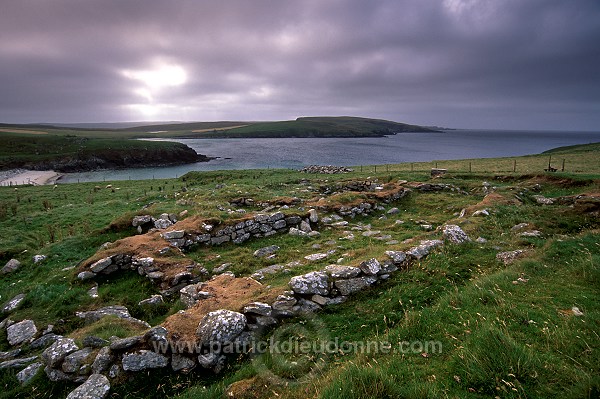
(471, 63)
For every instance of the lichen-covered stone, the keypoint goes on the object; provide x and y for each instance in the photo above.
(337, 272)
(95, 387)
(353, 285)
(370, 267)
(454, 234)
(310, 283)
(144, 360)
(21, 332)
(56, 352)
(220, 326)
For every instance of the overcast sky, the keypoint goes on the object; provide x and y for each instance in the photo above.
(516, 64)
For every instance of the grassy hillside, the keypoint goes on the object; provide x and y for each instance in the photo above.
(70, 153)
(506, 330)
(320, 127)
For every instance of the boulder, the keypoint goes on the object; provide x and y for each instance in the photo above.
(310, 283)
(73, 362)
(95, 387)
(100, 265)
(144, 360)
(56, 353)
(95, 342)
(116, 310)
(370, 267)
(21, 332)
(262, 252)
(12, 304)
(192, 293)
(25, 375)
(482, 212)
(220, 326)
(296, 232)
(540, 199)
(353, 285)
(44, 341)
(313, 216)
(454, 234)
(10, 266)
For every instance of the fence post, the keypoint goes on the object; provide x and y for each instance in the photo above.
(563, 166)
(515, 165)
(470, 169)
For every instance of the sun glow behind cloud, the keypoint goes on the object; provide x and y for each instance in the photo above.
(150, 84)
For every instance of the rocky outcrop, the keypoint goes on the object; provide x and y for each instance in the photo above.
(454, 234)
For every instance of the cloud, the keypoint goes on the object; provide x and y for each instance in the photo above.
(510, 64)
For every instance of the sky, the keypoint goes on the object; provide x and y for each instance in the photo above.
(484, 64)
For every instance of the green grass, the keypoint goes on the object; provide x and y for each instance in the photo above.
(498, 338)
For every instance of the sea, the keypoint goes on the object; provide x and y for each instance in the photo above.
(296, 153)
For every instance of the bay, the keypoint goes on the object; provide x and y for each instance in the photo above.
(295, 153)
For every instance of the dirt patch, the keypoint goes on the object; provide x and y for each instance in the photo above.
(559, 181)
(24, 131)
(490, 201)
(228, 292)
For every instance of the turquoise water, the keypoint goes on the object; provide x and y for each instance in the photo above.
(294, 153)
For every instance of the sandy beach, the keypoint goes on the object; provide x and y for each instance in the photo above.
(17, 177)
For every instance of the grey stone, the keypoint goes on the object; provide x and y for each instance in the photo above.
(103, 360)
(423, 248)
(208, 360)
(519, 226)
(141, 220)
(540, 199)
(143, 360)
(280, 224)
(39, 258)
(220, 240)
(306, 306)
(10, 354)
(258, 308)
(154, 300)
(220, 326)
(162, 224)
(295, 232)
(310, 283)
(56, 375)
(73, 361)
(338, 272)
(10, 266)
(25, 375)
(393, 211)
(114, 371)
(86, 275)
(370, 267)
(17, 363)
(13, 304)
(316, 257)
(100, 265)
(95, 387)
(180, 362)
(44, 341)
(454, 234)
(193, 293)
(125, 343)
(319, 300)
(398, 257)
(56, 353)
(21, 332)
(262, 252)
(173, 235)
(482, 212)
(260, 273)
(276, 217)
(353, 285)
(532, 233)
(313, 216)
(387, 267)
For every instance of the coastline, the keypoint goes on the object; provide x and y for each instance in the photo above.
(16, 177)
